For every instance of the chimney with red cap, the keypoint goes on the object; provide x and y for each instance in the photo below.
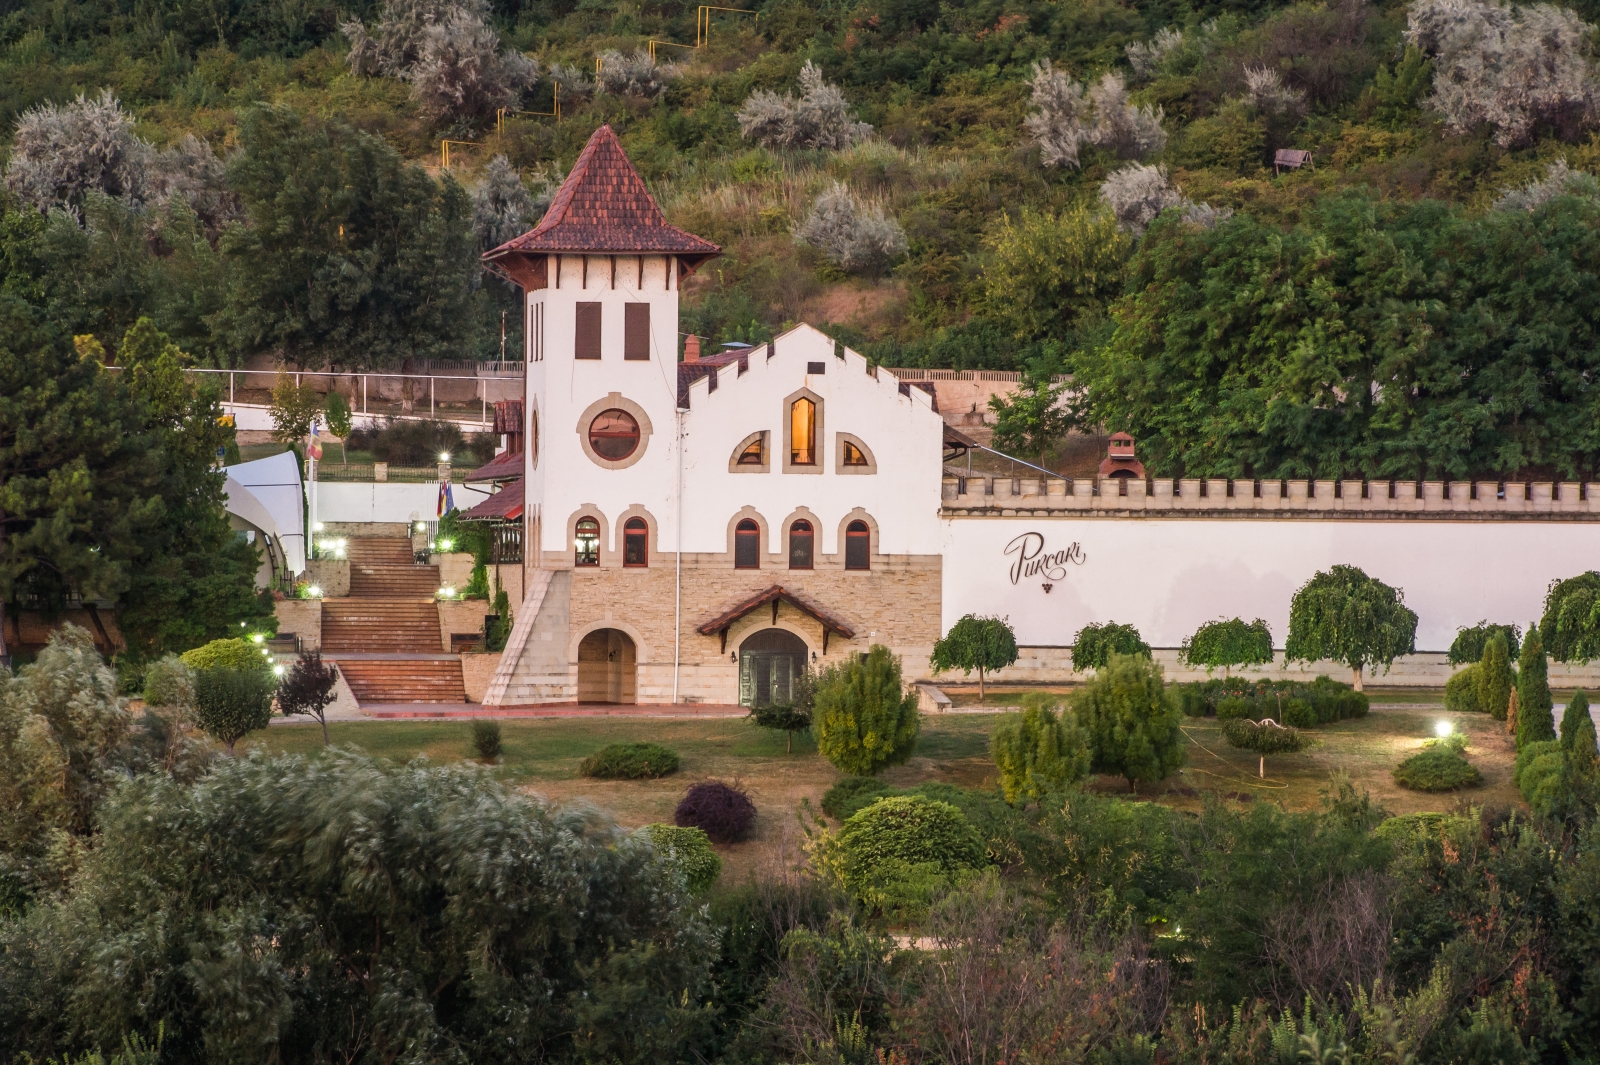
(691, 348)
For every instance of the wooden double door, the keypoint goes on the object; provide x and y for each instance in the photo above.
(608, 669)
(770, 661)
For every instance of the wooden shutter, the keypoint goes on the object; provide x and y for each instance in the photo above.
(636, 331)
(588, 332)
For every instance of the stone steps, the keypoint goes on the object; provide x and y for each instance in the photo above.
(405, 681)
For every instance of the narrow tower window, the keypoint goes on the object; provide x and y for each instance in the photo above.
(636, 543)
(747, 545)
(636, 331)
(586, 543)
(803, 433)
(857, 546)
(800, 543)
(588, 332)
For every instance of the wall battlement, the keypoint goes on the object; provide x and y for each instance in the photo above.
(1224, 498)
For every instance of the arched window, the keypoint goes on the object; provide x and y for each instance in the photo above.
(753, 455)
(857, 546)
(586, 543)
(747, 545)
(854, 456)
(803, 433)
(635, 543)
(801, 539)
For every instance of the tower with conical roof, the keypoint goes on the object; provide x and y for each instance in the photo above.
(600, 274)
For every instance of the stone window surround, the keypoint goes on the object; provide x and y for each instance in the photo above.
(614, 401)
(788, 431)
(641, 653)
(781, 554)
(838, 455)
(652, 540)
(607, 556)
(766, 454)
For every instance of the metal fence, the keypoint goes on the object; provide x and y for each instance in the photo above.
(454, 397)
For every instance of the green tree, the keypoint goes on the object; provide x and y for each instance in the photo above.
(1495, 680)
(1037, 752)
(794, 715)
(864, 719)
(295, 408)
(1045, 272)
(232, 703)
(79, 483)
(1467, 647)
(1571, 621)
(1228, 643)
(977, 643)
(1573, 716)
(1094, 645)
(1344, 615)
(369, 896)
(1132, 721)
(1535, 721)
(351, 257)
(1393, 98)
(1031, 421)
(194, 578)
(61, 724)
(339, 417)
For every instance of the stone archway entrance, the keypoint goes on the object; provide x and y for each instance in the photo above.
(769, 662)
(607, 667)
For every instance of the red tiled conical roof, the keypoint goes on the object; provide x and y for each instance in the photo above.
(603, 206)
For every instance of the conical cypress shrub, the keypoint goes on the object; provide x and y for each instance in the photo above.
(1535, 722)
(1494, 677)
(1573, 717)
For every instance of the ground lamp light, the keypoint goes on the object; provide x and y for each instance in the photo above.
(1443, 729)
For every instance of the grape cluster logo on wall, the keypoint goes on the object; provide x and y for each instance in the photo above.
(1034, 561)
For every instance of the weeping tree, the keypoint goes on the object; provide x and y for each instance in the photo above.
(1228, 643)
(1094, 645)
(977, 643)
(1570, 627)
(1344, 615)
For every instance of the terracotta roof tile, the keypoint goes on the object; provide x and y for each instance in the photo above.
(604, 206)
(505, 505)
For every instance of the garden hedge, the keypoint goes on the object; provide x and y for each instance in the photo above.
(1295, 703)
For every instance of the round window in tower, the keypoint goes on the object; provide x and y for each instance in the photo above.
(614, 434)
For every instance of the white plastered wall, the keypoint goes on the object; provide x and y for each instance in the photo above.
(1168, 576)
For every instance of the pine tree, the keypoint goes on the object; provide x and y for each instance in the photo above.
(1037, 752)
(1494, 678)
(1577, 711)
(864, 719)
(1132, 721)
(1535, 722)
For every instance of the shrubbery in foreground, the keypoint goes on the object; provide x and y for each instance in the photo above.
(630, 761)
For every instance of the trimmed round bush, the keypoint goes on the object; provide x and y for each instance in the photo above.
(1406, 829)
(227, 654)
(1297, 713)
(1461, 691)
(1438, 768)
(723, 812)
(630, 761)
(690, 851)
(169, 682)
(897, 853)
(1232, 708)
(232, 703)
(851, 794)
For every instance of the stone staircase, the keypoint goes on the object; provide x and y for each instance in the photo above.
(407, 680)
(385, 635)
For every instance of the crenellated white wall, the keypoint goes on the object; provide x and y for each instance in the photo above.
(1167, 576)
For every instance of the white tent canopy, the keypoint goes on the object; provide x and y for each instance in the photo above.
(268, 494)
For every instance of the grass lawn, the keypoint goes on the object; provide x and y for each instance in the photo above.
(542, 757)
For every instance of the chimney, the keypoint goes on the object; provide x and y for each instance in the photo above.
(691, 348)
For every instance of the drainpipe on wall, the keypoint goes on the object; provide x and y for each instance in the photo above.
(677, 591)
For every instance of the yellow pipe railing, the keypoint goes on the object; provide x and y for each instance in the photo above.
(500, 115)
(702, 26)
(444, 151)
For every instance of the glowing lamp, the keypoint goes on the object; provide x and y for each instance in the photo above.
(1442, 729)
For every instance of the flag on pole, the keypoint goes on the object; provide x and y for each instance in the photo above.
(447, 499)
(315, 450)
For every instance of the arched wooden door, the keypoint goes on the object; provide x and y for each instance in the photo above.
(769, 662)
(607, 667)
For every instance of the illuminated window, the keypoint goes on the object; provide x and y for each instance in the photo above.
(635, 543)
(854, 456)
(614, 434)
(801, 539)
(753, 454)
(747, 545)
(857, 546)
(803, 433)
(586, 543)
